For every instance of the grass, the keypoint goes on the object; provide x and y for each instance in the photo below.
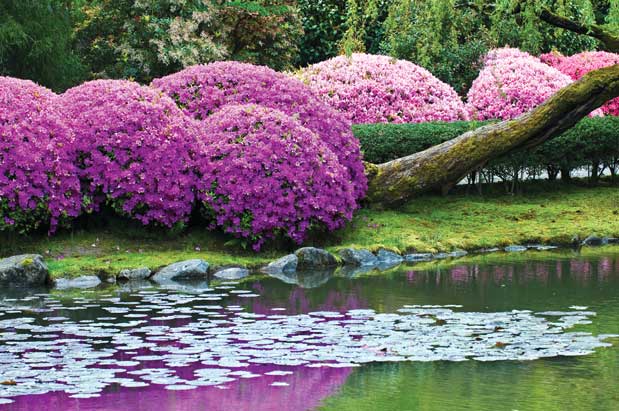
(551, 214)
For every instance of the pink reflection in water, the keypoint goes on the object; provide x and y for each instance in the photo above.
(307, 388)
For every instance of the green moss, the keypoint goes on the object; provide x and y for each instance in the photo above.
(27, 262)
(546, 214)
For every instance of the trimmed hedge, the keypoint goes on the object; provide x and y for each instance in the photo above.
(385, 142)
(592, 142)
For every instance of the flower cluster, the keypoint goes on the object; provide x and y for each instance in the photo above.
(264, 175)
(202, 90)
(38, 182)
(580, 64)
(134, 148)
(380, 89)
(512, 83)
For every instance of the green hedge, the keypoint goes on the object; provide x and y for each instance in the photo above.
(593, 142)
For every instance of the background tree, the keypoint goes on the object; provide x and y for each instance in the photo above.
(144, 39)
(35, 42)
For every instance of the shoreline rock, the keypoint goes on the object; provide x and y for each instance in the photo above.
(24, 270)
(184, 270)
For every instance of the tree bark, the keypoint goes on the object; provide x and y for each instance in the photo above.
(610, 41)
(442, 166)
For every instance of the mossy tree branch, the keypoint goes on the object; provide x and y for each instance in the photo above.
(610, 41)
(442, 166)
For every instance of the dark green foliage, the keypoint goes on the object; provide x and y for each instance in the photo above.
(324, 25)
(35, 43)
(594, 142)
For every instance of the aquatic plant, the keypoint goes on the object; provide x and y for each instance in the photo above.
(512, 83)
(204, 89)
(38, 183)
(580, 64)
(379, 89)
(134, 149)
(264, 176)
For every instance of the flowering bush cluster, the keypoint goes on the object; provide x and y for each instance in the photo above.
(134, 148)
(202, 90)
(38, 182)
(512, 83)
(580, 64)
(264, 175)
(379, 89)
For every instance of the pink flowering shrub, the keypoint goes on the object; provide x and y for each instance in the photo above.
(38, 182)
(203, 89)
(134, 148)
(512, 83)
(580, 64)
(379, 89)
(264, 176)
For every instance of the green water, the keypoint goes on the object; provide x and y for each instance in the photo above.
(583, 383)
(556, 283)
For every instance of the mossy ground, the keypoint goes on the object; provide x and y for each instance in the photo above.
(545, 213)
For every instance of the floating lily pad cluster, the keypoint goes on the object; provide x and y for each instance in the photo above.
(185, 341)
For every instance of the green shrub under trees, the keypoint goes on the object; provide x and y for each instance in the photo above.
(592, 143)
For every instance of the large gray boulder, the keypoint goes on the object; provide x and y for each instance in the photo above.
(24, 270)
(286, 264)
(311, 258)
(83, 282)
(184, 270)
(358, 258)
(136, 274)
(235, 273)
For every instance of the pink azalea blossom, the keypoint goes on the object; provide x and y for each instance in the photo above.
(380, 89)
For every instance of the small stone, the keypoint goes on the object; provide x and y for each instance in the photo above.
(612, 240)
(358, 258)
(83, 282)
(235, 273)
(415, 257)
(515, 248)
(311, 258)
(458, 254)
(593, 241)
(184, 270)
(389, 257)
(440, 256)
(135, 274)
(27, 269)
(286, 264)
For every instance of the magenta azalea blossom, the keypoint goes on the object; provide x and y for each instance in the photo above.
(580, 64)
(38, 182)
(380, 89)
(512, 83)
(204, 89)
(264, 175)
(134, 148)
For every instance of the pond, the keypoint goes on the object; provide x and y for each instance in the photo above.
(532, 334)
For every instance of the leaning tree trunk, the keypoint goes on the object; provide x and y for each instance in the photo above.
(442, 166)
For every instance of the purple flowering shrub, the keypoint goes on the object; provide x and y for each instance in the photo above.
(203, 89)
(134, 149)
(380, 89)
(38, 182)
(511, 83)
(264, 175)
